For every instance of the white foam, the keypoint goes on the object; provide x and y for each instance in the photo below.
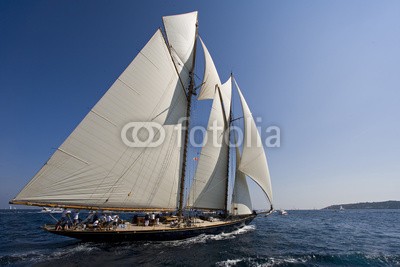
(204, 238)
(229, 263)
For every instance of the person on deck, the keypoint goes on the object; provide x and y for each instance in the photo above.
(68, 220)
(157, 219)
(115, 220)
(76, 217)
(96, 224)
(95, 216)
(109, 221)
(146, 220)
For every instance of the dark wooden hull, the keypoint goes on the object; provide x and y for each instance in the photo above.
(154, 235)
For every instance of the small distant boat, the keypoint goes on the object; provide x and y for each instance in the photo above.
(341, 208)
(283, 212)
(52, 210)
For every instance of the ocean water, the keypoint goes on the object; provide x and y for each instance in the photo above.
(303, 238)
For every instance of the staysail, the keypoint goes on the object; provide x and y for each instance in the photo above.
(94, 168)
(253, 161)
(241, 200)
(208, 190)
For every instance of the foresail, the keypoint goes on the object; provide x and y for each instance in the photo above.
(95, 168)
(208, 190)
(210, 78)
(181, 34)
(253, 161)
(241, 200)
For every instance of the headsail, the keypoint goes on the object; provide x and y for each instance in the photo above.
(94, 168)
(208, 190)
(241, 200)
(253, 161)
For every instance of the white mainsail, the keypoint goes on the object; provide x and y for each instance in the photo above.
(181, 34)
(208, 190)
(94, 168)
(253, 161)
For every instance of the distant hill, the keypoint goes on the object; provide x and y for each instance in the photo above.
(391, 204)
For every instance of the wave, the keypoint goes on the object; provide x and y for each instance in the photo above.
(339, 260)
(205, 238)
(37, 256)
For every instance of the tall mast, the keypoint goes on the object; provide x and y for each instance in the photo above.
(227, 125)
(191, 92)
(227, 162)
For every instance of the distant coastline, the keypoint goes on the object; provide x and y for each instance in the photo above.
(391, 204)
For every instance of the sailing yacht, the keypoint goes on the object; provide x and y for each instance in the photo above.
(100, 166)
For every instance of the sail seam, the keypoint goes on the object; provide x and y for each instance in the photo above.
(75, 157)
(127, 85)
(101, 116)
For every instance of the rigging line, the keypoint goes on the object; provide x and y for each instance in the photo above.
(165, 163)
(143, 151)
(53, 217)
(128, 169)
(185, 146)
(197, 87)
(169, 47)
(117, 181)
(108, 175)
(141, 154)
(232, 120)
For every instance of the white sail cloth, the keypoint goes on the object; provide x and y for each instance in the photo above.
(241, 200)
(94, 168)
(208, 190)
(211, 78)
(181, 34)
(253, 161)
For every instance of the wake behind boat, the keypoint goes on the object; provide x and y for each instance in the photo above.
(104, 164)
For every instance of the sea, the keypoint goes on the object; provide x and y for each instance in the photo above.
(302, 238)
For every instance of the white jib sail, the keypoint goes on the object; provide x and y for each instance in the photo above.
(181, 34)
(211, 77)
(95, 168)
(241, 200)
(253, 161)
(208, 190)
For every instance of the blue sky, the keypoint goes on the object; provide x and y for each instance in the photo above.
(325, 72)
